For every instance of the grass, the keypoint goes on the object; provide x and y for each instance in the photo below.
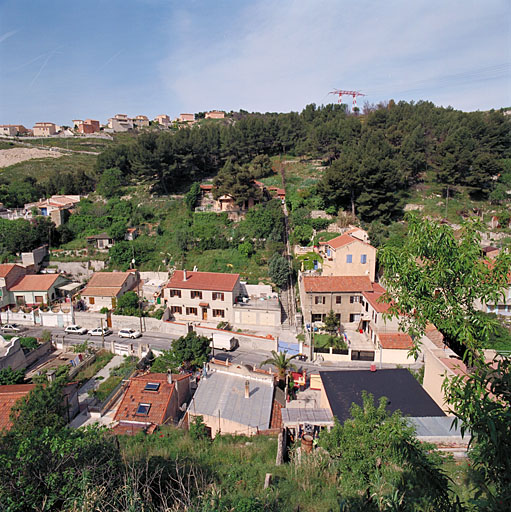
(7, 144)
(117, 374)
(77, 144)
(103, 357)
(322, 340)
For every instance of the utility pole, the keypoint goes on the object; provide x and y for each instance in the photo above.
(102, 335)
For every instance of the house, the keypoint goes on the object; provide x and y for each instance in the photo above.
(341, 389)
(215, 114)
(120, 123)
(186, 118)
(87, 126)
(346, 255)
(101, 242)
(202, 296)
(105, 288)
(341, 294)
(10, 274)
(44, 129)
(279, 192)
(140, 121)
(233, 400)
(163, 120)
(12, 130)
(54, 207)
(36, 289)
(152, 400)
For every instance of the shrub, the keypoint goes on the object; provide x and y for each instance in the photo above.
(104, 310)
(198, 429)
(29, 343)
(46, 336)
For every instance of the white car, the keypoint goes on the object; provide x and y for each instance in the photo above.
(129, 333)
(75, 329)
(13, 328)
(98, 331)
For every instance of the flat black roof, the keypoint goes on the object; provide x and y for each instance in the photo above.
(403, 391)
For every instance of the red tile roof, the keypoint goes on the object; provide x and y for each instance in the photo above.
(35, 283)
(397, 340)
(135, 395)
(214, 281)
(373, 298)
(105, 284)
(337, 284)
(9, 395)
(342, 240)
(6, 268)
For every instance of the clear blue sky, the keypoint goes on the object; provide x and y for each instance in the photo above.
(61, 59)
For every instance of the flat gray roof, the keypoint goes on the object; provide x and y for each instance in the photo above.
(299, 415)
(436, 426)
(225, 392)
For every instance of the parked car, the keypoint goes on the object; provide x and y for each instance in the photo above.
(129, 333)
(75, 329)
(12, 328)
(98, 331)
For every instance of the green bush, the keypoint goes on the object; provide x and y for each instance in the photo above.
(29, 343)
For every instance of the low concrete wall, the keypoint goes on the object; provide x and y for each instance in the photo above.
(40, 351)
(50, 319)
(80, 270)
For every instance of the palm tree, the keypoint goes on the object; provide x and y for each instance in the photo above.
(281, 362)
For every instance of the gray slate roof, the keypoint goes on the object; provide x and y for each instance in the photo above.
(226, 392)
(300, 415)
(436, 426)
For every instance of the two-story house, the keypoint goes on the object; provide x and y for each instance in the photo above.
(346, 255)
(202, 296)
(341, 294)
(44, 129)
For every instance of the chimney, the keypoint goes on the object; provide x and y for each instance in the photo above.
(50, 375)
(247, 389)
(169, 376)
(184, 274)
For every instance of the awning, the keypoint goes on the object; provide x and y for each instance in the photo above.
(70, 287)
(204, 304)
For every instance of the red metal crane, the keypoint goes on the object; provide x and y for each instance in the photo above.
(350, 93)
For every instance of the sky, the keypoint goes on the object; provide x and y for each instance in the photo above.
(62, 60)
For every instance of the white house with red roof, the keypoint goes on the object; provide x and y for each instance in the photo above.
(10, 274)
(202, 296)
(37, 289)
(347, 255)
(105, 288)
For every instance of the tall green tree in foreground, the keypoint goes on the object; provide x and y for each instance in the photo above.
(382, 466)
(437, 277)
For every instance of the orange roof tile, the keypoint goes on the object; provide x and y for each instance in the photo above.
(9, 395)
(342, 240)
(35, 283)
(214, 281)
(6, 268)
(337, 284)
(397, 340)
(136, 394)
(373, 297)
(105, 284)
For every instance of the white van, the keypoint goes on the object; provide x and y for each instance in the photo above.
(222, 341)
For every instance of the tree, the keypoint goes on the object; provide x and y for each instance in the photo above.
(192, 196)
(380, 461)
(10, 376)
(164, 362)
(128, 304)
(279, 270)
(110, 183)
(117, 230)
(331, 322)
(437, 277)
(302, 234)
(246, 248)
(190, 351)
(281, 362)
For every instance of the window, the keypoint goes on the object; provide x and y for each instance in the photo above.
(316, 317)
(39, 299)
(191, 311)
(152, 386)
(354, 317)
(338, 316)
(319, 299)
(354, 298)
(367, 306)
(195, 294)
(218, 312)
(218, 296)
(143, 409)
(363, 258)
(176, 309)
(349, 258)
(175, 293)
(338, 299)
(91, 300)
